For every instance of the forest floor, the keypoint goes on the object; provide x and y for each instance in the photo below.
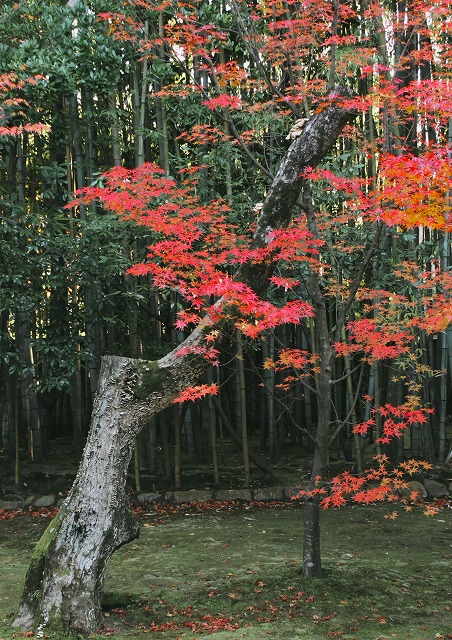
(57, 472)
(229, 571)
(291, 468)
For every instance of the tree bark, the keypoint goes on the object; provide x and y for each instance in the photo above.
(312, 560)
(65, 580)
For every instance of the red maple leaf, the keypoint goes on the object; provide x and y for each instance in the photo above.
(223, 101)
(195, 392)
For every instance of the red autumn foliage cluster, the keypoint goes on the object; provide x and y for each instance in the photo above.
(196, 248)
(13, 104)
(395, 420)
(381, 483)
(41, 512)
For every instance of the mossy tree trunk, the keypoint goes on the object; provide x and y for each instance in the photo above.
(65, 580)
(64, 583)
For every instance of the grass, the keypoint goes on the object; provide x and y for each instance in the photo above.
(235, 574)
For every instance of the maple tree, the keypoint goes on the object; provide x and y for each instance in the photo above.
(135, 382)
(320, 244)
(13, 105)
(158, 113)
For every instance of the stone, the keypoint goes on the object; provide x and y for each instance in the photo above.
(192, 496)
(435, 489)
(233, 494)
(414, 485)
(268, 493)
(11, 505)
(200, 495)
(148, 497)
(45, 501)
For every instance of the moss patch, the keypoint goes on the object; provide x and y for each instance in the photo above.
(32, 590)
(151, 378)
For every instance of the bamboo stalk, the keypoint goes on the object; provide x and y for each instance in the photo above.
(243, 424)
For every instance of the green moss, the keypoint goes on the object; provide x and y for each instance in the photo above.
(48, 535)
(151, 378)
(31, 596)
(35, 571)
(381, 578)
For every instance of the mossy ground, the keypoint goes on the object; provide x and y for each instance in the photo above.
(235, 574)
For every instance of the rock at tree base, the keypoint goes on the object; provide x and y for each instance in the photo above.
(435, 489)
(414, 485)
(45, 501)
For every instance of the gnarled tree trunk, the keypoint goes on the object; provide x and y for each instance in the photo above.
(65, 580)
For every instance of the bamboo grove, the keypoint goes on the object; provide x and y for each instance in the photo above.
(212, 93)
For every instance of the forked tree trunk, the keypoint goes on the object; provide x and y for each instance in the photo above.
(64, 583)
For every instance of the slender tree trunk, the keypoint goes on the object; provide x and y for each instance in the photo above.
(76, 394)
(160, 109)
(312, 565)
(352, 410)
(213, 431)
(269, 377)
(445, 356)
(16, 434)
(115, 140)
(177, 448)
(23, 325)
(65, 580)
(135, 99)
(4, 384)
(77, 148)
(164, 441)
(312, 560)
(144, 91)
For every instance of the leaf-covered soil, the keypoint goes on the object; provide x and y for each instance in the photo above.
(229, 571)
